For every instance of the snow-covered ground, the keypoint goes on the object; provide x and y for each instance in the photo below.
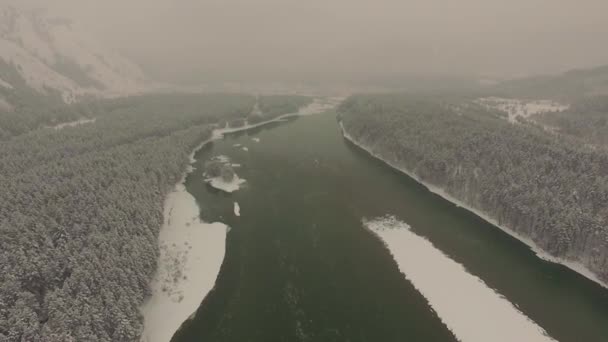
(220, 184)
(37, 43)
(74, 123)
(221, 159)
(488, 315)
(191, 254)
(320, 105)
(575, 266)
(521, 108)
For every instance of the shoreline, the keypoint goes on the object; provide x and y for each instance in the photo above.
(500, 319)
(540, 253)
(203, 244)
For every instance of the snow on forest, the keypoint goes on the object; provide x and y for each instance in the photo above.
(74, 123)
(577, 264)
(521, 108)
(489, 316)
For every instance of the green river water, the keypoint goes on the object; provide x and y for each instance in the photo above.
(299, 265)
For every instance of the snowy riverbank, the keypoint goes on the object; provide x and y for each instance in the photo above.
(575, 266)
(488, 317)
(191, 252)
(74, 123)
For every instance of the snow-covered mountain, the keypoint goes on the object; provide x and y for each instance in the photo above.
(53, 55)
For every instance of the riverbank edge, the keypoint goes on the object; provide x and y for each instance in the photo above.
(180, 186)
(540, 253)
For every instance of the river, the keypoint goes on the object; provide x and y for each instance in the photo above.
(305, 261)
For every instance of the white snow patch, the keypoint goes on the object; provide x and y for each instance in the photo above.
(74, 123)
(220, 184)
(521, 108)
(257, 140)
(464, 303)
(191, 254)
(236, 145)
(237, 209)
(5, 84)
(319, 106)
(222, 159)
(246, 149)
(235, 165)
(540, 253)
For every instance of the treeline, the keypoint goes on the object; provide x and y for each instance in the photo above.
(80, 212)
(26, 109)
(548, 188)
(79, 217)
(273, 106)
(586, 119)
(565, 87)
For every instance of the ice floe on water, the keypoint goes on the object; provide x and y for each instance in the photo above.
(191, 253)
(221, 159)
(464, 303)
(221, 184)
(237, 209)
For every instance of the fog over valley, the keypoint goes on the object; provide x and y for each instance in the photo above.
(191, 41)
(306, 171)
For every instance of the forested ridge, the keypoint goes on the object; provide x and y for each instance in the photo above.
(80, 212)
(586, 119)
(545, 187)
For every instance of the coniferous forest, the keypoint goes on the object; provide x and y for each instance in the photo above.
(545, 186)
(81, 207)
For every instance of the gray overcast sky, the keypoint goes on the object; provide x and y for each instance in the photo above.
(198, 39)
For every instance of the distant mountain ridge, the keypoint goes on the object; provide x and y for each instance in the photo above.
(52, 56)
(567, 86)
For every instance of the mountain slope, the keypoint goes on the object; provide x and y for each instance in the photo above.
(53, 57)
(567, 86)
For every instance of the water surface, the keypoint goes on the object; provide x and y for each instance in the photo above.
(300, 266)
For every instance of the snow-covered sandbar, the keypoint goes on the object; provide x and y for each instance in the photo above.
(221, 184)
(464, 303)
(191, 254)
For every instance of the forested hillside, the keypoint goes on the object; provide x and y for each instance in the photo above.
(586, 119)
(564, 87)
(548, 188)
(80, 211)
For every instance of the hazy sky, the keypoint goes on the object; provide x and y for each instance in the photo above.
(199, 39)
